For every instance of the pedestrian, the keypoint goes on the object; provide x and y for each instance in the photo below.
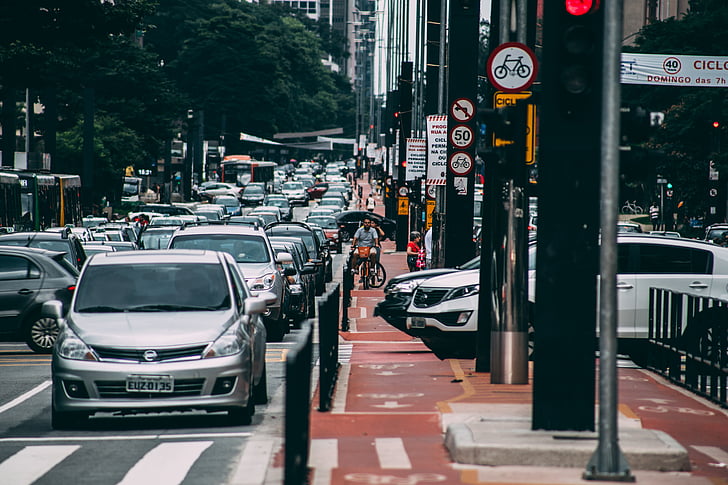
(655, 216)
(413, 250)
(428, 248)
(371, 203)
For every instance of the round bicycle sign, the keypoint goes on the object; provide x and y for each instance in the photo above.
(462, 136)
(461, 163)
(512, 67)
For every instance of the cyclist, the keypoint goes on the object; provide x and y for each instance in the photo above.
(365, 236)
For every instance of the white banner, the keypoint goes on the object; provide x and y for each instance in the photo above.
(674, 70)
(416, 158)
(436, 149)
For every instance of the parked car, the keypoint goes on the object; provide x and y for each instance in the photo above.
(295, 192)
(28, 278)
(305, 233)
(252, 251)
(252, 195)
(331, 230)
(399, 290)
(149, 332)
(64, 241)
(349, 221)
(308, 277)
(444, 309)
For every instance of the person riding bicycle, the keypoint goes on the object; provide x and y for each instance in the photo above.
(365, 236)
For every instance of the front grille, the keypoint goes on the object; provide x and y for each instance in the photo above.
(137, 355)
(117, 390)
(427, 297)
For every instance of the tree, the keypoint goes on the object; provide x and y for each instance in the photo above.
(686, 138)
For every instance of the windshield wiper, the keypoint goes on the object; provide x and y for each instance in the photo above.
(101, 309)
(169, 308)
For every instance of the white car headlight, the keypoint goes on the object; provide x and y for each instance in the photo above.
(262, 283)
(70, 346)
(462, 292)
(231, 342)
(406, 286)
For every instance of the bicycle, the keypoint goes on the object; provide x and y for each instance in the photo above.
(364, 270)
(377, 275)
(631, 208)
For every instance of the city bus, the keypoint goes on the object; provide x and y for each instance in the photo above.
(69, 199)
(10, 208)
(242, 170)
(131, 189)
(39, 199)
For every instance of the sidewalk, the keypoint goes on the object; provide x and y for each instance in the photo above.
(402, 416)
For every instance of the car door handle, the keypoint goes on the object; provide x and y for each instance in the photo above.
(25, 291)
(624, 286)
(698, 284)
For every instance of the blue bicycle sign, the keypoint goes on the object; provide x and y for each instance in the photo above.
(512, 67)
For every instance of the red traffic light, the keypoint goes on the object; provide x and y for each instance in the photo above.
(716, 124)
(396, 114)
(403, 163)
(581, 7)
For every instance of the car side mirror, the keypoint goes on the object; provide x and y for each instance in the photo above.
(255, 305)
(284, 258)
(309, 268)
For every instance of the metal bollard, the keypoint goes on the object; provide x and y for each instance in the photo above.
(348, 284)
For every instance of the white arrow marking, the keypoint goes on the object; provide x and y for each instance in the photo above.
(388, 373)
(656, 400)
(391, 405)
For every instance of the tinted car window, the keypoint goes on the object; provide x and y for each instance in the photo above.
(659, 259)
(245, 249)
(17, 268)
(146, 288)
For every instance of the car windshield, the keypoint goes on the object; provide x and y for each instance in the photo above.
(333, 202)
(158, 287)
(245, 249)
(156, 239)
(325, 222)
(253, 190)
(292, 186)
(60, 245)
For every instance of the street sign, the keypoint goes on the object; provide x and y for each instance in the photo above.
(512, 67)
(403, 191)
(402, 206)
(462, 110)
(503, 100)
(462, 136)
(461, 163)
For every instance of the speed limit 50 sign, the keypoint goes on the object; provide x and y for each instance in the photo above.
(462, 136)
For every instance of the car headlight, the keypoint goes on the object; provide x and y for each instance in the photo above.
(231, 342)
(262, 283)
(462, 292)
(70, 346)
(406, 286)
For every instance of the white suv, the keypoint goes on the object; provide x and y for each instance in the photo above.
(252, 251)
(444, 309)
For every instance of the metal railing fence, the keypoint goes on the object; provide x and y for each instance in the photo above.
(297, 432)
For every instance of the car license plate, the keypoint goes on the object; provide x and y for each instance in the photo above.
(137, 383)
(417, 322)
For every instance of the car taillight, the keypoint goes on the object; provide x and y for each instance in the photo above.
(71, 288)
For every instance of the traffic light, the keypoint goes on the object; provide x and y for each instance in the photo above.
(574, 29)
(503, 131)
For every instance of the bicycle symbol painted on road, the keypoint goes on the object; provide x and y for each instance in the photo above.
(678, 409)
(414, 479)
(513, 67)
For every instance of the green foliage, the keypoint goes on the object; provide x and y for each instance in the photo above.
(686, 139)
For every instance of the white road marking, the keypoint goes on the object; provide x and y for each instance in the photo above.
(32, 462)
(166, 464)
(141, 437)
(714, 452)
(254, 463)
(391, 453)
(324, 457)
(363, 312)
(342, 385)
(24, 397)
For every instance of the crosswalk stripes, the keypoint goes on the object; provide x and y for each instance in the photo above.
(166, 464)
(345, 351)
(390, 452)
(32, 462)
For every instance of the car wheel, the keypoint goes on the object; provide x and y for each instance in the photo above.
(260, 391)
(345, 235)
(41, 333)
(242, 416)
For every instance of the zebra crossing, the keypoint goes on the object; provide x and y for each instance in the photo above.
(165, 463)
